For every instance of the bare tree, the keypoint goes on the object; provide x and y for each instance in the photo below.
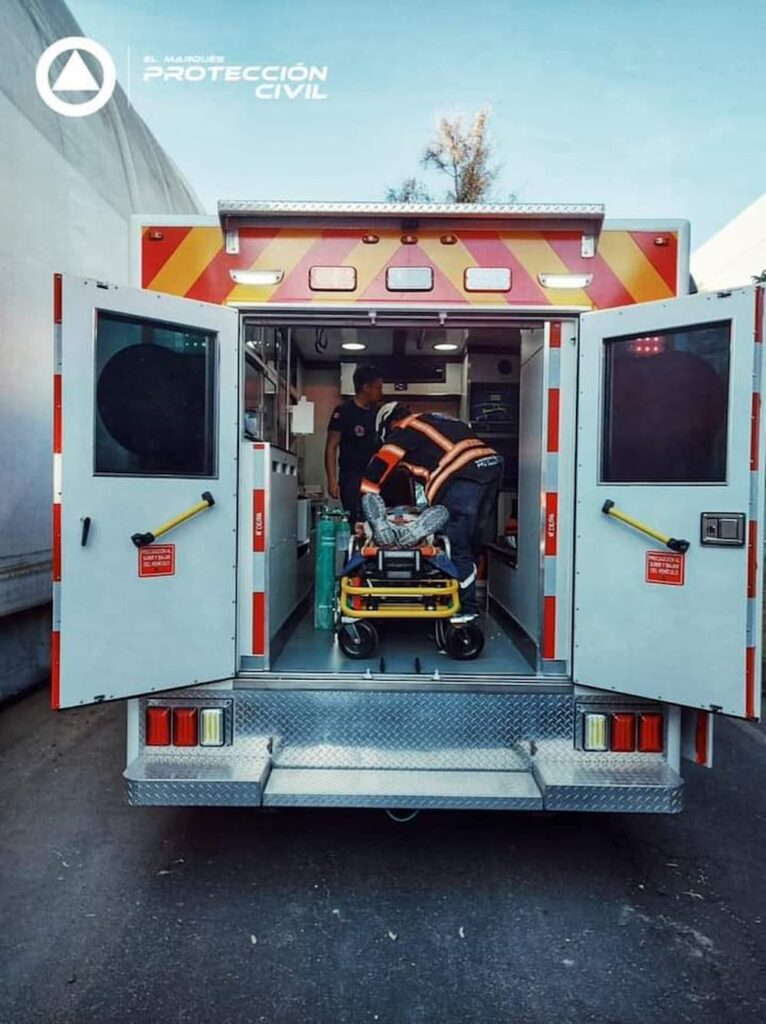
(463, 152)
(410, 191)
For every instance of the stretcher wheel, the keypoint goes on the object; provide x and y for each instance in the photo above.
(358, 639)
(464, 642)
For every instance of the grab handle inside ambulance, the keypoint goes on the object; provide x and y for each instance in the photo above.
(609, 508)
(142, 539)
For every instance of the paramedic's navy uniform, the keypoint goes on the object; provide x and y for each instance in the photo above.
(458, 470)
(358, 443)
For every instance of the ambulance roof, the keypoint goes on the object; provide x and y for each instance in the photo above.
(587, 216)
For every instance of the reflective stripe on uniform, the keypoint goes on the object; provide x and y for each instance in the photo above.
(439, 479)
(382, 464)
(415, 423)
(457, 449)
(420, 471)
(468, 580)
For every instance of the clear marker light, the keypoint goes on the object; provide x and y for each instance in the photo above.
(257, 277)
(595, 735)
(211, 727)
(565, 280)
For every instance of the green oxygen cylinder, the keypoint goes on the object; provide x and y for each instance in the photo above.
(324, 572)
(342, 538)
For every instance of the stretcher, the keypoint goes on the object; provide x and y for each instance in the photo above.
(409, 577)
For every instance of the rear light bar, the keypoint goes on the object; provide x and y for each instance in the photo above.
(624, 732)
(184, 726)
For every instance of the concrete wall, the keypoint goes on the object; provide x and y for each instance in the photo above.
(736, 254)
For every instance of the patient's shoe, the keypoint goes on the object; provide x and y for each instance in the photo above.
(430, 520)
(374, 508)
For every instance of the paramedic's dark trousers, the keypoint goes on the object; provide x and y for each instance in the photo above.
(471, 506)
(351, 496)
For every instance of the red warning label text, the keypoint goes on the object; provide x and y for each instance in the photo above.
(157, 560)
(666, 567)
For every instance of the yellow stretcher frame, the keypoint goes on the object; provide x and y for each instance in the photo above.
(448, 588)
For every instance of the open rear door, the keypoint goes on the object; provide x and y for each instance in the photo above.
(145, 483)
(670, 441)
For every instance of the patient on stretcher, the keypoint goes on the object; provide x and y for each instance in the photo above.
(403, 526)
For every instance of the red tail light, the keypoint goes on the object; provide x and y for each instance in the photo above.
(157, 727)
(623, 732)
(650, 733)
(184, 727)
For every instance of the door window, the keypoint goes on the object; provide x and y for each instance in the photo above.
(155, 398)
(666, 406)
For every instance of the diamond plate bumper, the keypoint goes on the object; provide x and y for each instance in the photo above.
(445, 749)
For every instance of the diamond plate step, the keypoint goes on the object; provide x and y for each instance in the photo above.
(468, 790)
(337, 756)
(220, 781)
(632, 783)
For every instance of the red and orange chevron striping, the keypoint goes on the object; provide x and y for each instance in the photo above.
(193, 262)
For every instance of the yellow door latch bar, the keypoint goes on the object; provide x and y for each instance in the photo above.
(142, 539)
(670, 542)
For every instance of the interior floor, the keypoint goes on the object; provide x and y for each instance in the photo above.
(407, 647)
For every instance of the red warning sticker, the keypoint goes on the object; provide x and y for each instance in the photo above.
(157, 560)
(666, 567)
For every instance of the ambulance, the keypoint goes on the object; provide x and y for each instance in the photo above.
(621, 585)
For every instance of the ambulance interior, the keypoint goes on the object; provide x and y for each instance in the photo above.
(490, 377)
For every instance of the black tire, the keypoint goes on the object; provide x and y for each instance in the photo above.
(464, 642)
(358, 639)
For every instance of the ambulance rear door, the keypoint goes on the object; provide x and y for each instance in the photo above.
(670, 491)
(145, 492)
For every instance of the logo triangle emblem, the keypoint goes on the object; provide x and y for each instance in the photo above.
(75, 76)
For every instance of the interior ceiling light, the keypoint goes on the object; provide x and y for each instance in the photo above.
(565, 280)
(446, 346)
(353, 346)
(261, 277)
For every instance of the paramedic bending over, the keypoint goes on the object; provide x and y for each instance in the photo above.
(457, 469)
(352, 430)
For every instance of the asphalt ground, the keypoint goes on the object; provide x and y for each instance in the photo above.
(111, 914)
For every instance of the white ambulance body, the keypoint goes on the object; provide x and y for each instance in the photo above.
(623, 608)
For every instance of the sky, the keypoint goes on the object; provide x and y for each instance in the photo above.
(651, 107)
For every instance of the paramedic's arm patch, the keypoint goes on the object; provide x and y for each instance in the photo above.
(336, 420)
(380, 467)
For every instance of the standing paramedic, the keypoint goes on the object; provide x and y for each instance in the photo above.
(352, 430)
(457, 469)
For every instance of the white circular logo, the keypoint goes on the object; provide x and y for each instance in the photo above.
(75, 77)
